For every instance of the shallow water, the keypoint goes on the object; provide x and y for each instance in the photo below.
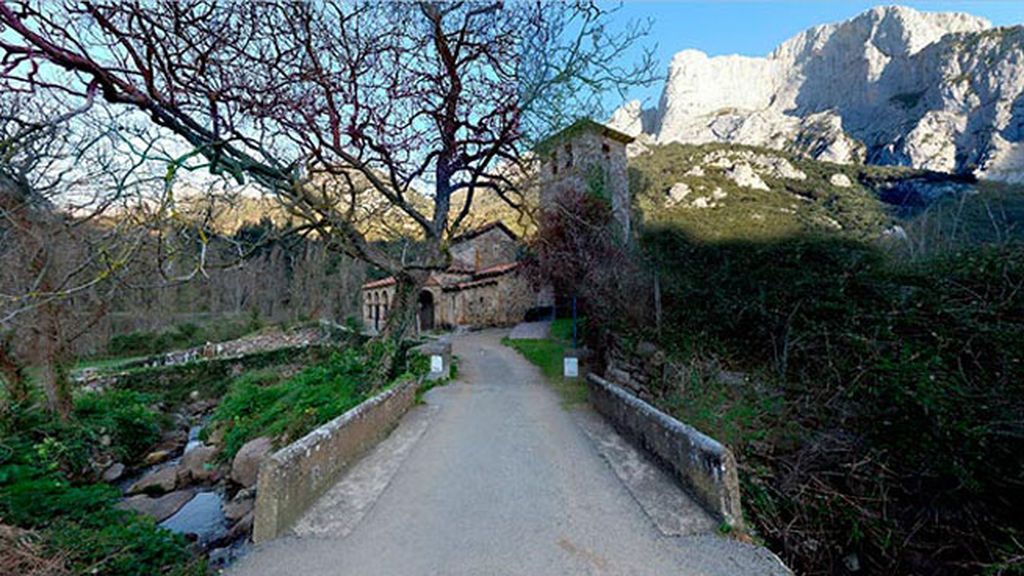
(202, 516)
(193, 438)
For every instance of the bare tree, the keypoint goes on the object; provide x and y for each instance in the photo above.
(67, 228)
(580, 251)
(304, 98)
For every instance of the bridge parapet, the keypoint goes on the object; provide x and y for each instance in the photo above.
(292, 479)
(705, 467)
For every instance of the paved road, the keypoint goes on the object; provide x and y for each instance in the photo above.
(492, 476)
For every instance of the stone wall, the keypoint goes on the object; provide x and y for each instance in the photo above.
(207, 377)
(485, 250)
(644, 370)
(293, 478)
(701, 464)
(499, 301)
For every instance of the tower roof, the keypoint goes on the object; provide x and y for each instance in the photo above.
(578, 127)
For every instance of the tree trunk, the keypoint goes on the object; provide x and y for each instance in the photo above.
(51, 357)
(386, 346)
(12, 374)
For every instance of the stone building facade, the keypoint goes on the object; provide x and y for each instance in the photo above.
(587, 156)
(484, 285)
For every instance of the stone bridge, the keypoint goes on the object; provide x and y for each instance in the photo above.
(495, 474)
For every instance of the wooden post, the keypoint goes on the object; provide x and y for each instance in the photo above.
(657, 302)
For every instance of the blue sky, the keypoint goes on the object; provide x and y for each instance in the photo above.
(754, 28)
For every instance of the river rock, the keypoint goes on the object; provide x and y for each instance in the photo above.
(156, 457)
(197, 464)
(157, 482)
(160, 508)
(236, 509)
(246, 465)
(113, 472)
(242, 528)
(216, 436)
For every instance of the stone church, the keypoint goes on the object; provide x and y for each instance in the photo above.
(484, 286)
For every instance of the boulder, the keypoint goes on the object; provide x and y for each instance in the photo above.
(237, 508)
(157, 482)
(743, 175)
(677, 193)
(197, 464)
(156, 457)
(160, 508)
(840, 180)
(113, 472)
(246, 465)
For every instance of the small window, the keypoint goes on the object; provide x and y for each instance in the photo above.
(568, 155)
(554, 162)
(606, 149)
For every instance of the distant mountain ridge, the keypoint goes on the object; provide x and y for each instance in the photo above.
(891, 86)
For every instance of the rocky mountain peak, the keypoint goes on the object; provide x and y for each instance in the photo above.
(893, 85)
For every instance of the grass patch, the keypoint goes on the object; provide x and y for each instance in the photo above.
(548, 354)
(260, 404)
(211, 378)
(791, 207)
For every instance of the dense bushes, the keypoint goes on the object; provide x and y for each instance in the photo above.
(894, 434)
(45, 474)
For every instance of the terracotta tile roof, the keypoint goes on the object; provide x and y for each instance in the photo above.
(479, 278)
(497, 270)
(379, 283)
(470, 284)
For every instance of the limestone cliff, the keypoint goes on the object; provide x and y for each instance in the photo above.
(893, 86)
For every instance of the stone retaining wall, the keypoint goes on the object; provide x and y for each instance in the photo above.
(644, 370)
(703, 465)
(293, 478)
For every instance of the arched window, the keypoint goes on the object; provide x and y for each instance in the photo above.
(568, 154)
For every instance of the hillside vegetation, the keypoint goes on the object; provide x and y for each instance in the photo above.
(880, 424)
(718, 192)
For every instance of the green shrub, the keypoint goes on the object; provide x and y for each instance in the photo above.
(888, 409)
(124, 415)
(41, 460)
(182, 336)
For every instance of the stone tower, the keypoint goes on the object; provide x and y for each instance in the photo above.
(584, 156)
